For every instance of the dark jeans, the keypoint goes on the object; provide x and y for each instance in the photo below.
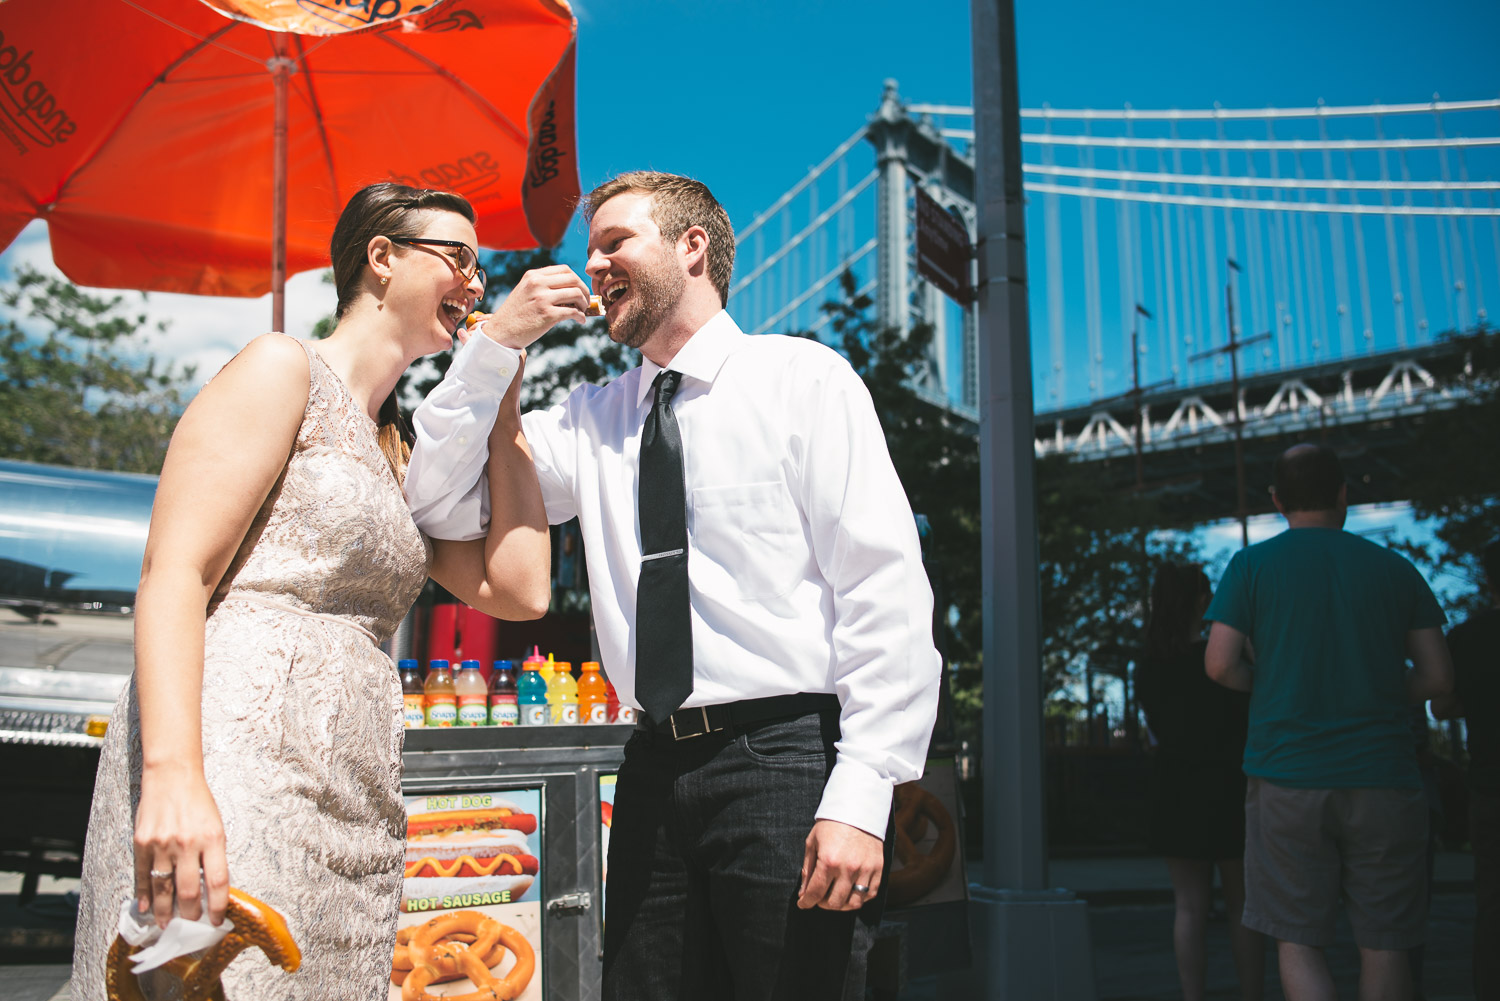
(1484, 837)
(705, 857)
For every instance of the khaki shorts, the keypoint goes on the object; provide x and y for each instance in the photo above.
(1303, 847)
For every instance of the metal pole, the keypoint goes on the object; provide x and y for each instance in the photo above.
(1135, 398)
(281, 70)
(1030, 942)
(1015, 849)
(1242, 509)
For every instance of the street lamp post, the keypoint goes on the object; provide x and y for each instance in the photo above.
(1232, 349)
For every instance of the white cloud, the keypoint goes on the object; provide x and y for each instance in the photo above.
(205, 331)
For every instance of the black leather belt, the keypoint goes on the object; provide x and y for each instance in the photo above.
(700, 720)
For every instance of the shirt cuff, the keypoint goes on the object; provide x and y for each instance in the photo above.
(857, 795)
(486, 363)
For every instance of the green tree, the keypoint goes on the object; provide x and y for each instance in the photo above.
(77, 385)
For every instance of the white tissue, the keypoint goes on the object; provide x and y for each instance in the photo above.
(163, 945)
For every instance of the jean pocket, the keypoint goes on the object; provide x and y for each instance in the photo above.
(800, 739)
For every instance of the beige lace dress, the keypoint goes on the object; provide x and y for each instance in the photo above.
(302, 723)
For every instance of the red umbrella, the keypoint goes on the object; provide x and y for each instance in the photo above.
(184, 145)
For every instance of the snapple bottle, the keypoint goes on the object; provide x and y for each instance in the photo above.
(504, 710)
(441, 701)
(472, 694)
(593, 697)
(412, 700)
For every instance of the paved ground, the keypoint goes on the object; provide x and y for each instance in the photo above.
(1130, 918)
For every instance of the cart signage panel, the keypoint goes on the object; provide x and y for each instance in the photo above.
(471, 913)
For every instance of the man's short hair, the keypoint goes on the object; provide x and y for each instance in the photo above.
(1308, 478)
(677, 204)
(1489, 558)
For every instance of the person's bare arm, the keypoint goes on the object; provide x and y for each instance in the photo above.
(226, 454)
(507, 573)
(1431, 676)
(1224, 660)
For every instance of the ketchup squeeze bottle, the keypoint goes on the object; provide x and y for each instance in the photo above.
(473, 695)
(593, 697)
(440, 700)
(412, 700)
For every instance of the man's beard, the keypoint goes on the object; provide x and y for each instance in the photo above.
(656, 290)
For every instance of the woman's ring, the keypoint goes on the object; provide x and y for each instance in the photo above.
(157, 874)
(858, 888)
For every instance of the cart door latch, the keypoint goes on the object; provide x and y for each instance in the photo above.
(569, 902)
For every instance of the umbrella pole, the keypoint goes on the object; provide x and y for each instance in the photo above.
(281, 70)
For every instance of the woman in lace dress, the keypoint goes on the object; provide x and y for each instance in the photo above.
(260, 742)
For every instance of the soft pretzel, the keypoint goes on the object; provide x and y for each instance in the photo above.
(920, 874)
(255, 924)
(461, 944)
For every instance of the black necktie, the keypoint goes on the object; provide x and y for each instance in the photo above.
(663, 626)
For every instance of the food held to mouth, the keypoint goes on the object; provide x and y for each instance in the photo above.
(596, 306)
(476, 318)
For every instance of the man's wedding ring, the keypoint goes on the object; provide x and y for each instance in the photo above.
(158, 874)
(858, 888)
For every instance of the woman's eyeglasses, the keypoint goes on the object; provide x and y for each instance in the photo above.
(463, 260)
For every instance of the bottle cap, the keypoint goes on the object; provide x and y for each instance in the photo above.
(562, 666)
(591, 665)
(406, 664)
(465, 665)
(503, 665)
(437, 665)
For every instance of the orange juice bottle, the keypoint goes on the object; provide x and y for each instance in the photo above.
(593, 697)
(473, 695)
(438, 694)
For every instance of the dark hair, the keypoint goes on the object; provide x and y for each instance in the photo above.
(1307, 478)
(677, 204)
(1175, 594)
(1489, 558)
(384, 209)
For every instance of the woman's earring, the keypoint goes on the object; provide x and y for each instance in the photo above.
(385, 279)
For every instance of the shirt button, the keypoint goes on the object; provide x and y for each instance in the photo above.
(463, 439)
(505, 373)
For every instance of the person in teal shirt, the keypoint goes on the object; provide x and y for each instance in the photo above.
(1334, 804)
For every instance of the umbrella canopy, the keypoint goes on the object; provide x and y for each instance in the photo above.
(145, 131)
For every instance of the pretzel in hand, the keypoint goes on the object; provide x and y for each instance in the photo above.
(255, 924)
(920, 873)
(456, 945)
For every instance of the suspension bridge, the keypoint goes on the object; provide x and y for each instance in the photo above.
(1296, 268)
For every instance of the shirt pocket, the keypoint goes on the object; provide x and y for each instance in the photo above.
(750, 537)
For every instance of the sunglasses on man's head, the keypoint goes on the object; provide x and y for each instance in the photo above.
(464, 261)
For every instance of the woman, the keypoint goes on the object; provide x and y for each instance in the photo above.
(261, 740)
(1197, 786)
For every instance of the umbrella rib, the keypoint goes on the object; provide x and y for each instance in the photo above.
(317, 113)
(206, 39)
(479, 99)
(104, 138)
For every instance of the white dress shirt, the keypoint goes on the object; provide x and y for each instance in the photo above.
(803, 565)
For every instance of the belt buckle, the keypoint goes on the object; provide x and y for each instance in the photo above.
(703, 710)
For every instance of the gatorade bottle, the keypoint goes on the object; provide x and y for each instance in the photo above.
(613, 705)
(562, 693)
(473, 695)
(531, 694)
(440, 701)
(593, 697)
(411, 693)
(504, 711)
(624, 714)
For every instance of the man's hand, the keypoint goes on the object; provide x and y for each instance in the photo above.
(541, 300)
(838, 858)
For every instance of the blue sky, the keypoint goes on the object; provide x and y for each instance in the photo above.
(746, 96)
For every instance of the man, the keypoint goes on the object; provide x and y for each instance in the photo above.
(1334, 803)
(1475, 645)
(757, 590)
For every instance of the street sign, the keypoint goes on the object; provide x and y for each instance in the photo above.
(943, 249)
